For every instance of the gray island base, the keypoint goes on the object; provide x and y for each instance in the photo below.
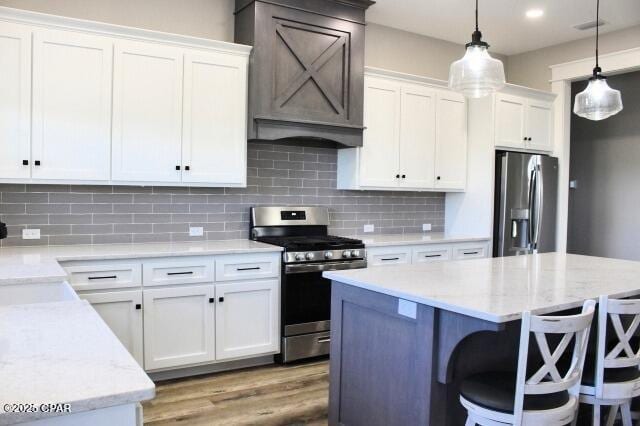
(403, 337)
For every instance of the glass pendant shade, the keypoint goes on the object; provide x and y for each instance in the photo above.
(598, 101)
(477, 74)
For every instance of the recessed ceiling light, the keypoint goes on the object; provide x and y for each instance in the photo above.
(534, 13)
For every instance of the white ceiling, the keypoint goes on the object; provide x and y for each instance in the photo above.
(503, 22)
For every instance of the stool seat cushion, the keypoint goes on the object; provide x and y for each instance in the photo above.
(496, 391)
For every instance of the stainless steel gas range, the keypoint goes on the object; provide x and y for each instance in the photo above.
(305, 294)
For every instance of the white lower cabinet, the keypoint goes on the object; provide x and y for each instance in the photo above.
(247, 318)
(122, 311)
(179, 326)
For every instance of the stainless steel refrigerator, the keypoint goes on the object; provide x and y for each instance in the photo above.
(525, 204)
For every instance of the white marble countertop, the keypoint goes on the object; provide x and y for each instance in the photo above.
(64, 353)
(500, 289)
(414, 239)
(20, 265)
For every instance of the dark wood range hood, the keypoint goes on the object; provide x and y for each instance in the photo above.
(306, 75)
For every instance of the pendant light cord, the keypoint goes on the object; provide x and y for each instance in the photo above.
(597, 29)
(477, 15)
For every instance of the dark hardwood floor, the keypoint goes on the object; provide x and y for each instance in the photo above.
(270, 395)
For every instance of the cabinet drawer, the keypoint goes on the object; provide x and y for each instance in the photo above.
(470, 251)
(101, 276)
(188, 270)
(247, 266)
(388, 256)
(431, 254)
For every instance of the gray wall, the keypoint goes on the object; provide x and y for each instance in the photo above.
(605, 160)
(277, 174)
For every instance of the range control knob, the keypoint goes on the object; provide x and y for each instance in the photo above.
(299, 256)
(346, 254)
(355, 253)
(309, 256)
(328, 255)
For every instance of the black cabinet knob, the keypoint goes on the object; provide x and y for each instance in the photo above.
(221, 299)
(211, 300)
(438, 178)
(138, 306)
(529, 138)
(25, 162)
(404, 176)
(177, 167)
(525, 138)
(397, 176)
(37, 162)
(187, 168)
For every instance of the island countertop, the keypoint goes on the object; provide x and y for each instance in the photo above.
(63, 353)
(500, 289)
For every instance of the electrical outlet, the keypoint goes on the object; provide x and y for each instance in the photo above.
(30, 234)
(369, 228)
(426, 227)
(196, 231)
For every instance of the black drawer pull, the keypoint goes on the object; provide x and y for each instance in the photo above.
(255, 268)
(25, 162)
(471, 252)
(180, 273)
(390, 258)
(220, 299)
(432, 255)
(138, 306)
(37, 162)
(106, 277)
(177, 167)
(211, 300)
(187, 168)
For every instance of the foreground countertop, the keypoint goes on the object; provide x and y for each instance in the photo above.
(500, 289)
(64, 353)
(24, 265)
(415, 239)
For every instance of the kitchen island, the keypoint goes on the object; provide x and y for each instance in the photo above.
(403, 337)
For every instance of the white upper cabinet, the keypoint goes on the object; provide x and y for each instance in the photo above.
(214, 119)
(417, 137)
(414, 132)
(15, 101)
(523, 123)
(451, 141)
(147, 113)
(379, 154)
(71, 106)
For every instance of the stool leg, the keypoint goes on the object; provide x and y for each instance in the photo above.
(470, 422)
(612, 415)
(626, 414)
(596, 414)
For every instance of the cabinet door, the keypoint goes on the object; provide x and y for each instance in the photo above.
(178, 326)
(122, 311)
(147, 112)
(417, 137)
(247, 319)
(214, 142)
(71, 105)
(540, 125)
(451, 141)
(15, 101)
(380, 150)
(510, 121)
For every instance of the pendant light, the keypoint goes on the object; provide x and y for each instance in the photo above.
(598, 101)
(477, 74)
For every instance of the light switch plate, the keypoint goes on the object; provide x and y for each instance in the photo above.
(426, 227)
(369, 228)
(196, 231)
(30, 234)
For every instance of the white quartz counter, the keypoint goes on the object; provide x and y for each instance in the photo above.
(500, 289)
(415, 239)
(64, 353)
(40, 264)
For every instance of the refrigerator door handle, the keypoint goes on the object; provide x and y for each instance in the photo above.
(539, 203)
(532, 193)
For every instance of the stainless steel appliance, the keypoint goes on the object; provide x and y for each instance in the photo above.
(3, 231)
(305, 294)
(525, 204)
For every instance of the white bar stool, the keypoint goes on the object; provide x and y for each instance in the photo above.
(613, 378)
(546, 397)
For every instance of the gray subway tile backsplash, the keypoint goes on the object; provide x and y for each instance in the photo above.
(287, 174)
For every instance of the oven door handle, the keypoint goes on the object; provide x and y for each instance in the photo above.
(324, 266)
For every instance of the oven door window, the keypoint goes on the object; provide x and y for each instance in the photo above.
(306, 298)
